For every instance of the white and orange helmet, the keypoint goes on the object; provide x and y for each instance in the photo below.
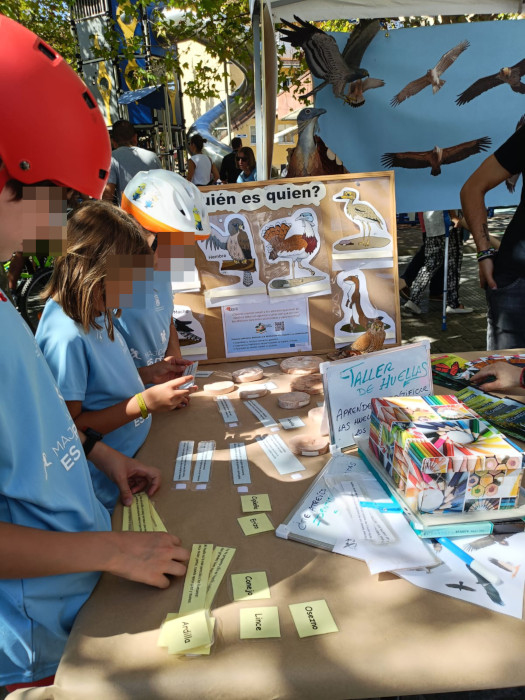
(162, 201)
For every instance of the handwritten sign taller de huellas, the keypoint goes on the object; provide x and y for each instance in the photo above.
(351, 384)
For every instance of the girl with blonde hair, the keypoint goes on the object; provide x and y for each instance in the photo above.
(107, 258)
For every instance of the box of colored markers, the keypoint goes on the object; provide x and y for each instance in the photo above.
(442, 457)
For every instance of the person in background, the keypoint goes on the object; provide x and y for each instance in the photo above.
(126, 160)
(414, 266)
(106, 253)
(436, 224)
(201, 171)
(247, 164)
(230, 170)
(172, 215)
(55, 535)
(501, 272)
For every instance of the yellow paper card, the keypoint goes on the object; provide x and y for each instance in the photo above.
(206, 649)
(187, 632)
(255, 502)
(158, 525)
(140, 513)
(222, 557)
(163, 636)
(196, 581)
(254, 524)
(260, 623)
(313, 618)
(126, 519)
(250, 586)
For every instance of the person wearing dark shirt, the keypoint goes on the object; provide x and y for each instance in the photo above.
(502, 272)
(229, 170)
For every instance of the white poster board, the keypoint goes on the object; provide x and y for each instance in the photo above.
(351, 384)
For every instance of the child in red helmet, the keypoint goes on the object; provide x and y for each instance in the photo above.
(55, 536)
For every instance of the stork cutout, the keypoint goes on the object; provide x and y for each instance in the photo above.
(358, 311)
(372, 232)
(294, 239)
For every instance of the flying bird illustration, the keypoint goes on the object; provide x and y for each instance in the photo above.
(294, 247)
(361, 213)
(512, 76)
(237, 244)
(490, 590)
(356, 89)
(488, 540)
(437, 157)
(511, 181)
(460, 586)
(323, 57)
(312, 156)
(432, 76)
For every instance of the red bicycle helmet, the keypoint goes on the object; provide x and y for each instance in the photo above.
(50, 125)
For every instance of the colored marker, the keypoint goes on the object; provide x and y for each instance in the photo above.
(474, 565)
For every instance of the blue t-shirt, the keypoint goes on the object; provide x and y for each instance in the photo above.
(248, 178)
(44, 483)
(146, 330)
(91, 368)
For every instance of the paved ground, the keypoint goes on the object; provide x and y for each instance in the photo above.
(463, 331)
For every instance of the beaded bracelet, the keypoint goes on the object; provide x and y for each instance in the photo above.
(484, 254)
(522, 378)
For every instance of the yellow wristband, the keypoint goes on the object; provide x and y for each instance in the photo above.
(142, 405)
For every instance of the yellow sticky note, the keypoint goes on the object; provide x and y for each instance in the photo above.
(250, 586)
(126, 519)
(313, 618)
(259, 623)
(222, 557)
(163, 636)
(140, 513)
(197, 575)
(158, 525)
(187, 632)
(206, 649)
(255, 502)
(254, 524)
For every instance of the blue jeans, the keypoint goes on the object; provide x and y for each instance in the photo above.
(505, 316)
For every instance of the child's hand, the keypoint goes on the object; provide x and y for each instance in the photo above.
(177, 364)
(148, 557)
(168, 396)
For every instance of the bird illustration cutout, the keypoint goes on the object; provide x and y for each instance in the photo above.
(372, 235)
(509, 75)
(362, 323)
(233, 248)
(437, 157)
(295, 240)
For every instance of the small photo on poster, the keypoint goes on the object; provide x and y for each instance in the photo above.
(266, 329)
(190, 333)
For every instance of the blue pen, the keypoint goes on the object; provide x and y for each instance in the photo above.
(474, 565)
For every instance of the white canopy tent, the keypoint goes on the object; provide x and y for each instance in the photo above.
(265, 58)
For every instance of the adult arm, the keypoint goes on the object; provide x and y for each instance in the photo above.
(506, 378)
(191, 170)
(214, 172)
(489, 175)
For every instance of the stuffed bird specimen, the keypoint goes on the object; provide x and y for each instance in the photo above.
(324, 58)
(237, 244)
(432, 76)
(511, 76)
(312, 156)
(437, 157)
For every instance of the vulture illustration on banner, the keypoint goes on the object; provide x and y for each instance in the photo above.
(512, 76)
(323, 56)
(237, 244)
(437, 157)
(312, 156)
(511, 181)
(432, 76)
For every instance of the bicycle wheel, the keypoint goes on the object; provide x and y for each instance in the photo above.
(30, 303)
